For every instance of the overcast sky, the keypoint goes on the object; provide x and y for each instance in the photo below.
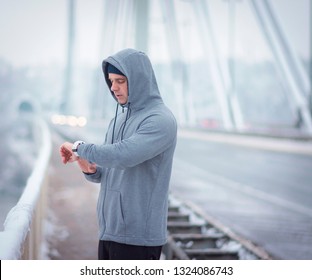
(34, 32)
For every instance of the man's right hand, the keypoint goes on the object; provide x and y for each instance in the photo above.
(86, 166)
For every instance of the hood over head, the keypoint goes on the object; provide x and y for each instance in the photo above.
(142, 86)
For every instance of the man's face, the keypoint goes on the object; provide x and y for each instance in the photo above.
(119, 87)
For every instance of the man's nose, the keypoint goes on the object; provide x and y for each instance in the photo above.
(114, 87)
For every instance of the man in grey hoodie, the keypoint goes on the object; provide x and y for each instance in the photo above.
(134, 163)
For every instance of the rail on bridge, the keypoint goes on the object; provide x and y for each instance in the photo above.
(22, 235)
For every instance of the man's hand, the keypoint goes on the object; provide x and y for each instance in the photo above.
(66, 153)
(68, 156)
(86, 166)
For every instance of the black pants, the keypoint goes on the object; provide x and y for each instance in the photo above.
(109, 250)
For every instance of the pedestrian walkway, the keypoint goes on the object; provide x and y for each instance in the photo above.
(70, 224)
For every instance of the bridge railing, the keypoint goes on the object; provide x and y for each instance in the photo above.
(21, 238)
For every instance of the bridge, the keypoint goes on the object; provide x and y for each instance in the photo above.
(244, 151)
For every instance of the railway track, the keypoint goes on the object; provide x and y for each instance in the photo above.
(192, 234)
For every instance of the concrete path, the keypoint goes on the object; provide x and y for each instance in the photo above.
(70, 224)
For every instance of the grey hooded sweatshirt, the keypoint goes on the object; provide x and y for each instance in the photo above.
(134, 163)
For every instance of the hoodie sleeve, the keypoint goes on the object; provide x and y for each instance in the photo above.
(154, 135)
(95, 177)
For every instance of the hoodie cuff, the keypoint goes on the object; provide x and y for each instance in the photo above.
(86, 173)
(93, 177)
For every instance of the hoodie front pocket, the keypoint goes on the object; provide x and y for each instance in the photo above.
(113, 214)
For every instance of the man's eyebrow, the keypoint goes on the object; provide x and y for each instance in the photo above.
(117, 79)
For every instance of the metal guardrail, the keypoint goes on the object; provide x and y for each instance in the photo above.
(21, 238)
(195, 235)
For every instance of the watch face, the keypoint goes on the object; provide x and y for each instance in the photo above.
(75, 147)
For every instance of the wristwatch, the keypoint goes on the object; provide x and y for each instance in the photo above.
(75, 147)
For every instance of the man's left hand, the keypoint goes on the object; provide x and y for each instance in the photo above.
(66, 153)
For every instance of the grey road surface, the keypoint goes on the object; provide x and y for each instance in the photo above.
(260, 188)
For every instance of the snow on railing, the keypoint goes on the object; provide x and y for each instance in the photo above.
(21, 226)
